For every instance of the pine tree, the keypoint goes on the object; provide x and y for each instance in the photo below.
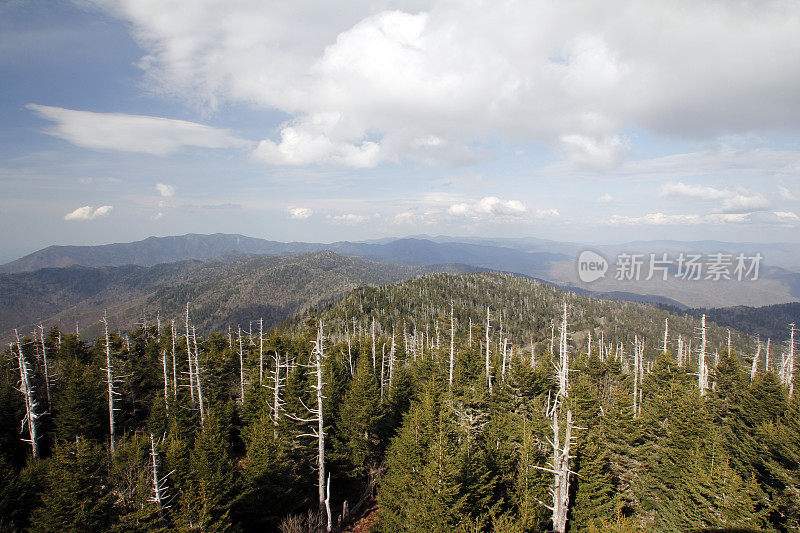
(77, 493)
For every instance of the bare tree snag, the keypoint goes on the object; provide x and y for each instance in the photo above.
(452, 345)
(241, 369)
(488, 362)
(702, 367)
(26, 389)
(46, 365)
(111, 392)
(754, 366)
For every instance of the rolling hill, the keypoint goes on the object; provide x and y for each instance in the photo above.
(547, 260)
(221, 293)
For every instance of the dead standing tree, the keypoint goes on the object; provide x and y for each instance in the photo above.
(159, 496)
(195, 384)
(25, 387)
(702, 367)
(317, 416)
(452, 345)
(111, 392)
(488, 361)
(559, 466)
(277, 401)
(46, 365)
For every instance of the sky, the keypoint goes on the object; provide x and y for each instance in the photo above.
(593, 122)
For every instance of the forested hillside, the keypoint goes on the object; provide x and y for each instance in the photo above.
(473, 402)
(222, 292)
(767, 322)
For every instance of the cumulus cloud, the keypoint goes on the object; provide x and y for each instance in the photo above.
(310, 141)
(730, 201)
(165, 190)
(568, 74)
(88, 212)
(488, 207)
(299, 213)
(132, 133)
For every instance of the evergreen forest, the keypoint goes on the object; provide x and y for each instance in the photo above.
(446, 402)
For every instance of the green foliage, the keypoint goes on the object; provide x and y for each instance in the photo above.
(435, 457)
(77, 494)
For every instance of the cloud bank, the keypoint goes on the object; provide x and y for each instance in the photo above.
(132, 133)
(363, 85)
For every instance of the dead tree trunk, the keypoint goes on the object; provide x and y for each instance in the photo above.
(46, 366)
(26, 389)
(452, 345)
(260, 351)
(560, 463)
(488, 362)
(166, 380)
(766, 356)
(189, 358)
(635, 376)
(241, 369)
(174, 364)
(317, 415)
(111, 392)
(754, 366)
(374, 361)
(666, 334)
(159, 496)
(702, 367)
(197, 380)
(277, 401)
(790, 362)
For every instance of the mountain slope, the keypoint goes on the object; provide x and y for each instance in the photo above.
(221, 293)
(522, 310)
(769, 322)
(548, 260)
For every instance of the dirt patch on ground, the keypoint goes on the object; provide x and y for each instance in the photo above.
(365, 522)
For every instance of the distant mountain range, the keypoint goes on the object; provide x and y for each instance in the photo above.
(548, 260)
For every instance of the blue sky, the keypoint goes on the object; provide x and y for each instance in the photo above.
(589, 122)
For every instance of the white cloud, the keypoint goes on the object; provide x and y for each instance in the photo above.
(349, 218)
(692, 191)
(546, 213)
(590, 153)
(132, 133)
(310, 141)
(569, 74)
(488, 207)
(744, 203)
(87, 212)
(165, 190)
(605, 198)
(777, 218)
(299, 212)
(785, 193)
(731, 201)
